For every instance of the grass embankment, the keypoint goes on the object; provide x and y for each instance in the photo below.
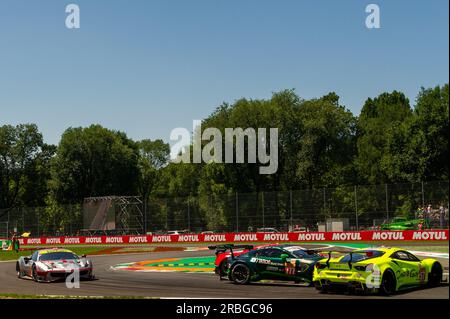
(91, 250)
(12, 255)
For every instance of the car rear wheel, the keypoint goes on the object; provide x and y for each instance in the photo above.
(388, 283)
(240, 274)
(435, 276)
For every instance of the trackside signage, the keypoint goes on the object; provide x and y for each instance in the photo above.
(188, 238)
(388, 235)
(214, 238)
(137, 240)
(368, 236)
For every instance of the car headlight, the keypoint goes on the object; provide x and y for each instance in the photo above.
(44, 267)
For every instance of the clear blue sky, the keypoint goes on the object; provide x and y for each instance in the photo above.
(146, 67)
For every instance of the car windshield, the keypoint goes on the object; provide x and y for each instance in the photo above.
(58, 256)
(301, 252)
(359, 256)
(305, 254)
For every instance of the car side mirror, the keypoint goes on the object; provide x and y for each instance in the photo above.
(284, 257)
(83, 256)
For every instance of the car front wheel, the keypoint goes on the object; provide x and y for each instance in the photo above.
(34, 274)
(20, 273)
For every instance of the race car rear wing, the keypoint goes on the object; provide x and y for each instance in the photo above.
(344, 251)
(229, 247)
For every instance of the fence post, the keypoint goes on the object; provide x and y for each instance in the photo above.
(237, 212)
(263, 220)
(189, 214)
(356, 210)
(423, 197)
(23, 220)
(145, 214)
(290, 207)
(167, 215)
(7, 224)
(324, 203)
(387, 203)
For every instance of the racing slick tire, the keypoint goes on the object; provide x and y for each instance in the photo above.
(435, 276)
(388, 283)
(240, 274)
(20, 273)
(223, 268)
(34, 274)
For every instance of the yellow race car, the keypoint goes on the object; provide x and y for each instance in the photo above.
(381, 270)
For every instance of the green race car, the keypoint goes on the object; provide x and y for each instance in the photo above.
(275, 262)
(382, 270)
(402, 223)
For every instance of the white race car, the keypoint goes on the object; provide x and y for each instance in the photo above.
(47, 265)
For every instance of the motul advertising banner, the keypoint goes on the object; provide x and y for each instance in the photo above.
(368, 236)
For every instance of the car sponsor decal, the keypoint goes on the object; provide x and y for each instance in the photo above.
(265, 262)
(422, 273)
(44, 252)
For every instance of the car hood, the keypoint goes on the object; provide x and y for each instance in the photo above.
(66, 263)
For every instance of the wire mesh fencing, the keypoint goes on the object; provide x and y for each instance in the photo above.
(353, 207)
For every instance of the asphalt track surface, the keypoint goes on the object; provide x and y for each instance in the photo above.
(177, 285)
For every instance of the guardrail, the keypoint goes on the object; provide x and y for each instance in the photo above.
(368, 236)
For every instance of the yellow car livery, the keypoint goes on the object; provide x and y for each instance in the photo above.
(382, 270)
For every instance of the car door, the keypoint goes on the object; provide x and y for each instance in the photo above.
(420, 276)
(269, 264)
(411, 271)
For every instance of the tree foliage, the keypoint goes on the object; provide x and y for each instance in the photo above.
(24, 165)
(94, 161)
(321, 145)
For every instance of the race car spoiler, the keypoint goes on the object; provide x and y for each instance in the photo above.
(345, 251)
(223, 248)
